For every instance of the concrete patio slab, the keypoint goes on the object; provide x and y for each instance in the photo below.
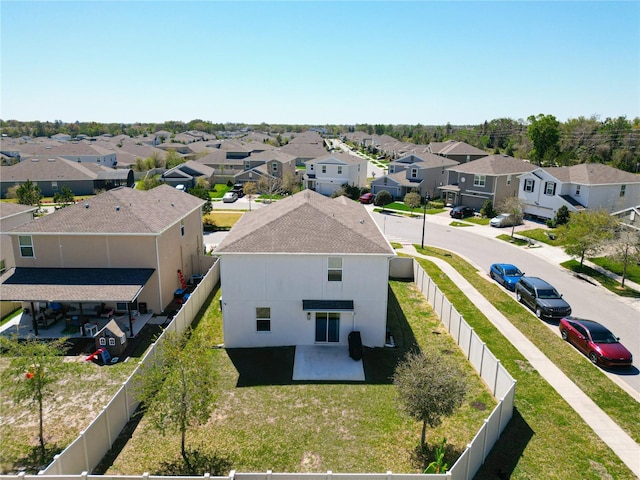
(328, 363)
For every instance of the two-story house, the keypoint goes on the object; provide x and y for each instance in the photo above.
(271, 163)
(459, 151)
(121, 247)
(494, 177)
(187, 174)
(327, 174)
(578, 187)
(422, 173)
(307, 270)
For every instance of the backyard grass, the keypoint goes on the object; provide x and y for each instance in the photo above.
(609, 283)
(263, 420)
(11, 316)
(222, 218)
(82, 392)
(541, 411)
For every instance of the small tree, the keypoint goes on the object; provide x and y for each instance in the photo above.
(412, 200)
(269, 185)
(29, 193)
(383, 198)
(487, 210)
(430, 387)
(587, 233)
(249, 189)
(178, 388)
(34, 368)
(513, 206)
(625, 249)
(64, 197)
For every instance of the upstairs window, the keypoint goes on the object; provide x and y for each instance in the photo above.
(340, 170)
(577, 190)
(335, 269)
(26, 246)
(311, 167)
(623, 188)
(274, 167)
(508, 179)
(182, 228)
(549, 188)
(263, 319)
(414, 173)
(529, 184)
(324, 169)
(479, 180)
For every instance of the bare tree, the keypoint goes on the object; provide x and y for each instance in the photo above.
(625, 248)
(513, 206)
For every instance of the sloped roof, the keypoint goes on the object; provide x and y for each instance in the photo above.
(425, 160)
(453, 147)
(307, 222)
(495, 165)
(592, 174)
(8, 209)
(47, 168)
(121, 210)
(341, 157)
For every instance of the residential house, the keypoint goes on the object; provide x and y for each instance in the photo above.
(494, 177)
(459, 151)
(327, 174)
(305, 146)
(306, 270)
(629, 217)
(50, 174)
(187, 174)
(422, 173)
(273, 163)
(75, 151)
(578, 187)
(11, 215)
(121, 248)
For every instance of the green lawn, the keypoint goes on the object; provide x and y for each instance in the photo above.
(633, 269)
(541, 413)
(263, 420)
(609, 283)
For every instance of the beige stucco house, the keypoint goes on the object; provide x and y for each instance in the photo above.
(120, 248)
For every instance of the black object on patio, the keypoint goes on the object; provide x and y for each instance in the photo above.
(355, 345)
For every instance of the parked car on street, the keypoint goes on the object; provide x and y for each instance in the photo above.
(542, 298)
(367, 198)
(461, 212)
(503, 220)
(596, 342)
(505, 274)
(230, 197)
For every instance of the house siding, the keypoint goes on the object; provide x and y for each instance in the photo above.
(282, 282)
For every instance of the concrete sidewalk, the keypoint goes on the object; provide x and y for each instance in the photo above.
(614, 436)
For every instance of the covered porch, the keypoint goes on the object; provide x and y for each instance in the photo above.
(75, 301)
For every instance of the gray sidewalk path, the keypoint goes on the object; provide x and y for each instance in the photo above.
(614, 436)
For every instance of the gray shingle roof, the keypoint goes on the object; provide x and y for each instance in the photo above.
(495, 165)
(10, 209)
(592, 174)
(307, 222)
(118, 211)
(46, 168)
(74, 284)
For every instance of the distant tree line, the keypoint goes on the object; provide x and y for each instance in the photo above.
(541, 138)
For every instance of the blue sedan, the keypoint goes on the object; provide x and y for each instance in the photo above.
(506, 274)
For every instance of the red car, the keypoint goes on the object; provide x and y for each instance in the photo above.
(596, 342)
(366, 198)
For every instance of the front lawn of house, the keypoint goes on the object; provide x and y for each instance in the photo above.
(263, 420)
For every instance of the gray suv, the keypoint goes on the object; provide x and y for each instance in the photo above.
(542, 298)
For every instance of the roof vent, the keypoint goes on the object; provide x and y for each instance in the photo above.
(117, 208)
(86, 205)
(52, 159)
(34, 159)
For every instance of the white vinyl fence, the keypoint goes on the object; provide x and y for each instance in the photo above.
(92, 444)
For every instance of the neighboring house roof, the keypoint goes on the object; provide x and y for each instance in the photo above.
(425, 160)
(45, 168)
(399, 178)
(10, 209)
(305, 150)
(345, 158)
(272, 155)
(73, 284)
(307, 222)
(592, 174)
(193, 168)
(495, 165)
(453, 147)
(82, 148)
(117, 211)
(113, 329)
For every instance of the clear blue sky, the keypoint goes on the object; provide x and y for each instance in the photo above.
(318, 62)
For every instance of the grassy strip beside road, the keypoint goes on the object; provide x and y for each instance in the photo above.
(621, 407)
(263, 420)
(545, 431)
(607, 282)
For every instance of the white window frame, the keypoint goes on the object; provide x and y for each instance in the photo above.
(339, 169)
(623, 189)
(324, 169)
(549, 188)
(263, 314)
(334, 269)
(414, 173)
(274, 167)
(508, 179)
(577, 190)
(529, 185)
(479, 180)
(25, 242)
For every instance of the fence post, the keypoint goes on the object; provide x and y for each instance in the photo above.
(459, 328)
(470, 340)
(482, 359)
(495, 380)
(86, 450)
